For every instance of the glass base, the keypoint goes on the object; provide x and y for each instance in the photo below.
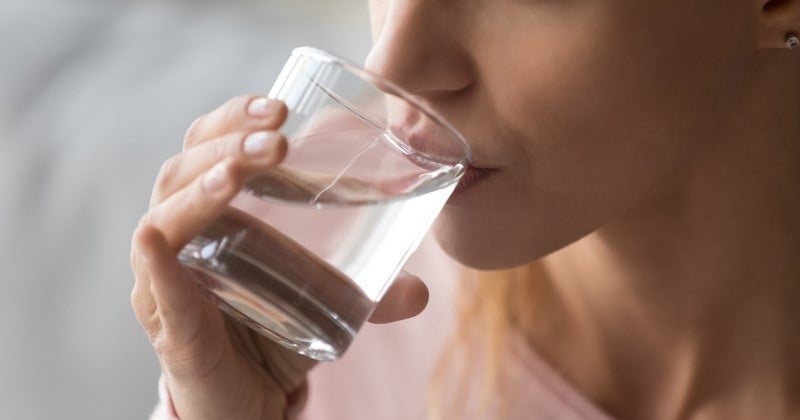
(274, 309)
(269, 319)
(276, 287)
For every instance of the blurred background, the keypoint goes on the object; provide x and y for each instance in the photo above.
(94, 96)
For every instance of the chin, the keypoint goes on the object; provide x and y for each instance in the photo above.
(481, 247)
(495, 243)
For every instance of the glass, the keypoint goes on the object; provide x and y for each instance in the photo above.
(306, 250)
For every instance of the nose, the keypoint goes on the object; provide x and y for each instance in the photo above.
(419, 48)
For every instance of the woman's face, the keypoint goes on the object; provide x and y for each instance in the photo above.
(583, 108)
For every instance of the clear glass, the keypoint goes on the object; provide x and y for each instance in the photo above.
(306, 250)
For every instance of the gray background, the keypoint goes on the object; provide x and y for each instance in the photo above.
(94, 95)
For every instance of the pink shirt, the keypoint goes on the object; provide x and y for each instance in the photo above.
(385, 373)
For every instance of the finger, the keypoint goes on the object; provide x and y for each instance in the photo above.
(153, 271)
(144, 306)
(191, 341)
(189, 211)
(180, 304)
(246, 113)
(258, 150)
(406, 298)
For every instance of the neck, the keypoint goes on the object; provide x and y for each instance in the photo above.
(688, 303)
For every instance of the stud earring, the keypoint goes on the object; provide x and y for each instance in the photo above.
(792, 40)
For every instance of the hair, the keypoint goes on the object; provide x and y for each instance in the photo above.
(491, 307)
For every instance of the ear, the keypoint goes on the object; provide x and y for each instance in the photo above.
(778, 19)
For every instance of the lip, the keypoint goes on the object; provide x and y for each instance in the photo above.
(429, 138)
(472, 177)
(420, 138)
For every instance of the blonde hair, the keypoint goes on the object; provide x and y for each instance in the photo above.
(491, 306)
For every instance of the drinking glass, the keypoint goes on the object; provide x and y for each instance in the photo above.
(306, 250)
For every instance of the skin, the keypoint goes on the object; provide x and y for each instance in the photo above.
(646, 154)
(216, 367)
(602, 98)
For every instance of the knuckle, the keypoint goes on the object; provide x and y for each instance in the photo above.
(146, 312)
(145, 222)
(141, 302)
(223, 148)
(234, 110)
(192, 133)
(138, 245)
(161, 346)
(164, 346)
(134, 260)
(136, 298)
(168, 168)
(166, 174)
(151, 324)
(176, 358)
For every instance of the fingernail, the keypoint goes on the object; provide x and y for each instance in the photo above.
(259, 143)
(261, 107)
(214, 180)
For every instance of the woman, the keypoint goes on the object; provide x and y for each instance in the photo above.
(639, 190)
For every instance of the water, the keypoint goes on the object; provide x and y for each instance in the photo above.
(354, 205)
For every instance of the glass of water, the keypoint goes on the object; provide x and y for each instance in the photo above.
(303, 254)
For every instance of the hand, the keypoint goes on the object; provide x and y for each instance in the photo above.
(214, 366)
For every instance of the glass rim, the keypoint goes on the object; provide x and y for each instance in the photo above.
(393, 89)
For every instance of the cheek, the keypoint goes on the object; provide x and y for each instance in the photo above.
(604, 108)
(622, 96)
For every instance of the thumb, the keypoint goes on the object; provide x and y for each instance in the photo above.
(406, 298)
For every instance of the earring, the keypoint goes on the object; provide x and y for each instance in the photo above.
(792, 40)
